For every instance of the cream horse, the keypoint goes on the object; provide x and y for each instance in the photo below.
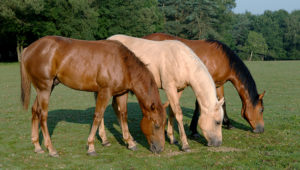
(174, 66)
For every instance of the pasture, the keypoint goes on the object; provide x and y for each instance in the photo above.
(71, 113)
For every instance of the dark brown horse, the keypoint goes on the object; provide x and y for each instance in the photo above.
(106, 67)
(224, 65)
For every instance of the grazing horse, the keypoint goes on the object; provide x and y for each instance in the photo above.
(174, 67)
(224, 65)
(106, 67)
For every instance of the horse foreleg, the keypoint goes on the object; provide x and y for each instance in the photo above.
(120, 107)
(35, 128)
(226, 121)
(173, 97)
(101, 103)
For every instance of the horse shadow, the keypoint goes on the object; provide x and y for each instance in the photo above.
(110, 120)
(187, 112)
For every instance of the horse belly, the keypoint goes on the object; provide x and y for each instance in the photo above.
(78, 80)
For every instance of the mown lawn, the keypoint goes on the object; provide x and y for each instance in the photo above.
(71, 113)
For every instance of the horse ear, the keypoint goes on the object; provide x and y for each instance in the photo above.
(261, 95)
(221, 102)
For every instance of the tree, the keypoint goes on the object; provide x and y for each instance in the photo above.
(292, 35)
(272, 26)
(135, 17)
(29, 20)
(197, 19)
(14, 17)
(256, 46)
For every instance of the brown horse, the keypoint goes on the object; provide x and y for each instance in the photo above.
(224, 65)
(106, 67)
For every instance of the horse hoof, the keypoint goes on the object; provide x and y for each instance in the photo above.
(186, 149)
(54, 154)
(195, 135)
(229, 126)
(133, 148)
(39, 151)
(106, 143)
(92, 153)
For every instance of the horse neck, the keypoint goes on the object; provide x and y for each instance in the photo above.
(204, 89)
(247, 95)
(145, 89)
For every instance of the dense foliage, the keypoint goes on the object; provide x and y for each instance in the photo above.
(272, 35)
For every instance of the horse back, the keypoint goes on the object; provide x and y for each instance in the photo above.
(210, 53)
(79, 64)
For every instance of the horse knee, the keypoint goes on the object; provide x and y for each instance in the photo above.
(179, 117)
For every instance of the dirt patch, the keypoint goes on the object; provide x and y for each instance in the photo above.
(170, 153)
(224, 149)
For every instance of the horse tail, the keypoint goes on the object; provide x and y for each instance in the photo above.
(25, 84)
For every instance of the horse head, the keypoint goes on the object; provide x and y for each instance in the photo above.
(254, 114)
(210, 122)
(153, 125)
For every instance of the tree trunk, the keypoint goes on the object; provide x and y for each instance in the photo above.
(19, 51)
(250, 58)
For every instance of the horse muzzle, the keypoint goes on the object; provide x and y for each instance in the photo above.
(214, 142)
(259, 129)
(156, 148)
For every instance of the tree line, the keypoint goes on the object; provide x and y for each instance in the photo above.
(273, 35)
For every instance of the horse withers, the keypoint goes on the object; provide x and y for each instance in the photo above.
(175, 66)
(224, 65)
(106, 67)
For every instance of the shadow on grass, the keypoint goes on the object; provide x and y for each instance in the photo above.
(110, 120)
(187, 112)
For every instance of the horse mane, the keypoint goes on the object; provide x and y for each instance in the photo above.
(240, 69)
(137, 67)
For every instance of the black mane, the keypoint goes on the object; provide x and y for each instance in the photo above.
(240, 69)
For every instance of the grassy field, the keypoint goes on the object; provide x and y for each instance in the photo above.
(71, 112)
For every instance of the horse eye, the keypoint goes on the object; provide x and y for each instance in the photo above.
(218, 122)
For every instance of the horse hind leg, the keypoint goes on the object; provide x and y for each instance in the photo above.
(42, 103)
(101, 129)
(35, 128)
(120, 107)
(102, 134)
(170, 128)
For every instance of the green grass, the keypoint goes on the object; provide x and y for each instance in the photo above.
(71, 112)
